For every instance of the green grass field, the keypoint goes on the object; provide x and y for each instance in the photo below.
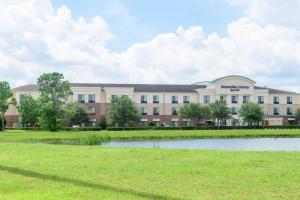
(45, 171)
(33, 136)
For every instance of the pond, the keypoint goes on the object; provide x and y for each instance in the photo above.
(248, 144)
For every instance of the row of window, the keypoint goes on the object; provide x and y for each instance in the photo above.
(173, 123)
(206, 99)
(155, 99)
(276, 111)
(155, 111)
(91, 98)
(186, 99)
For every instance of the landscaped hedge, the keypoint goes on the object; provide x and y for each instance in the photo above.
(199, 128)
(139, 128)
(62, 129)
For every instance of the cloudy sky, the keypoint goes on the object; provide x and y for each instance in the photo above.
(151, 41)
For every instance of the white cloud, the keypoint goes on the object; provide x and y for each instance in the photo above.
(36, 38)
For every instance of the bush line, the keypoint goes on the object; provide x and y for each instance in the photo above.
(163, 128)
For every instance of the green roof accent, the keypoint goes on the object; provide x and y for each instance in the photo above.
(233, 76)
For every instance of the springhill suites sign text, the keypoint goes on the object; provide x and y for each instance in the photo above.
(234, 87)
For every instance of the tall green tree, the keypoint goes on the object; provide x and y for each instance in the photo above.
(54, 94)
(195, 112)
(76, 113)
(220, 111)
(251, 113)
(123, 112)
(29, 109)
(5, 100)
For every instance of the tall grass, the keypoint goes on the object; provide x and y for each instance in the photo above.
(93, 139)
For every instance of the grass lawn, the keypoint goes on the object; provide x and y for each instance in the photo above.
(43, 171)
(32, 136)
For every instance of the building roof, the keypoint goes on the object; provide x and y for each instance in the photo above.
(147, 87)
(233, 76)
(136, 87)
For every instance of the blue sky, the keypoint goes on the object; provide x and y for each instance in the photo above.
(134, 21)
(153, 41)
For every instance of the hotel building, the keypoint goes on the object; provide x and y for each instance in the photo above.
(160, 103)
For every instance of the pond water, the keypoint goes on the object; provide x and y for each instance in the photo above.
(249, 144)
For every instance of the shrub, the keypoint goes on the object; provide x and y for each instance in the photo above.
(1, 123)
(93, 139)
(200, 128)
(103, 124)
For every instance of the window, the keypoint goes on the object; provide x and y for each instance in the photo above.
(260, 100)
(276, 111)
(144, 111)
(276, 100)
(22, 96)
(206, 99)
(223, 98)
(186, 99)
(174, 111)
(234, 110)
(246, 99)
(157, 123)
(143, 99)
(289, 100)
(92, 98)
(289, 111)
(174, 123)
(156, 111)
(235, 122)
(174, 99)
(144, 123)
(114, 98)
(92, 110)
(234, 99)
(81, 98)
(186, 123)
(155, 99)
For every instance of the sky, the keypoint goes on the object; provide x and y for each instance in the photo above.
(170, 41)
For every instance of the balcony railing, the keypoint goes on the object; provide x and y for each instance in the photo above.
(289, 102)
(234, 102)
(155, 101)
(156, 113)
(143, 101)
(174, 102)
(174, 113)
(276, 102)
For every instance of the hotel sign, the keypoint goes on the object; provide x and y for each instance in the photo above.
(234, 87)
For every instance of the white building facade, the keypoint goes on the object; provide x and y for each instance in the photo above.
(160, 103)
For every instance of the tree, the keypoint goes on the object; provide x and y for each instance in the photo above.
(123, 112)
(76, 113)
(251, 113)
(297, 115)
(5, 100)
(54, 94)
(29, 109)
(220, 111)
(195, 111)
(1, 123)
